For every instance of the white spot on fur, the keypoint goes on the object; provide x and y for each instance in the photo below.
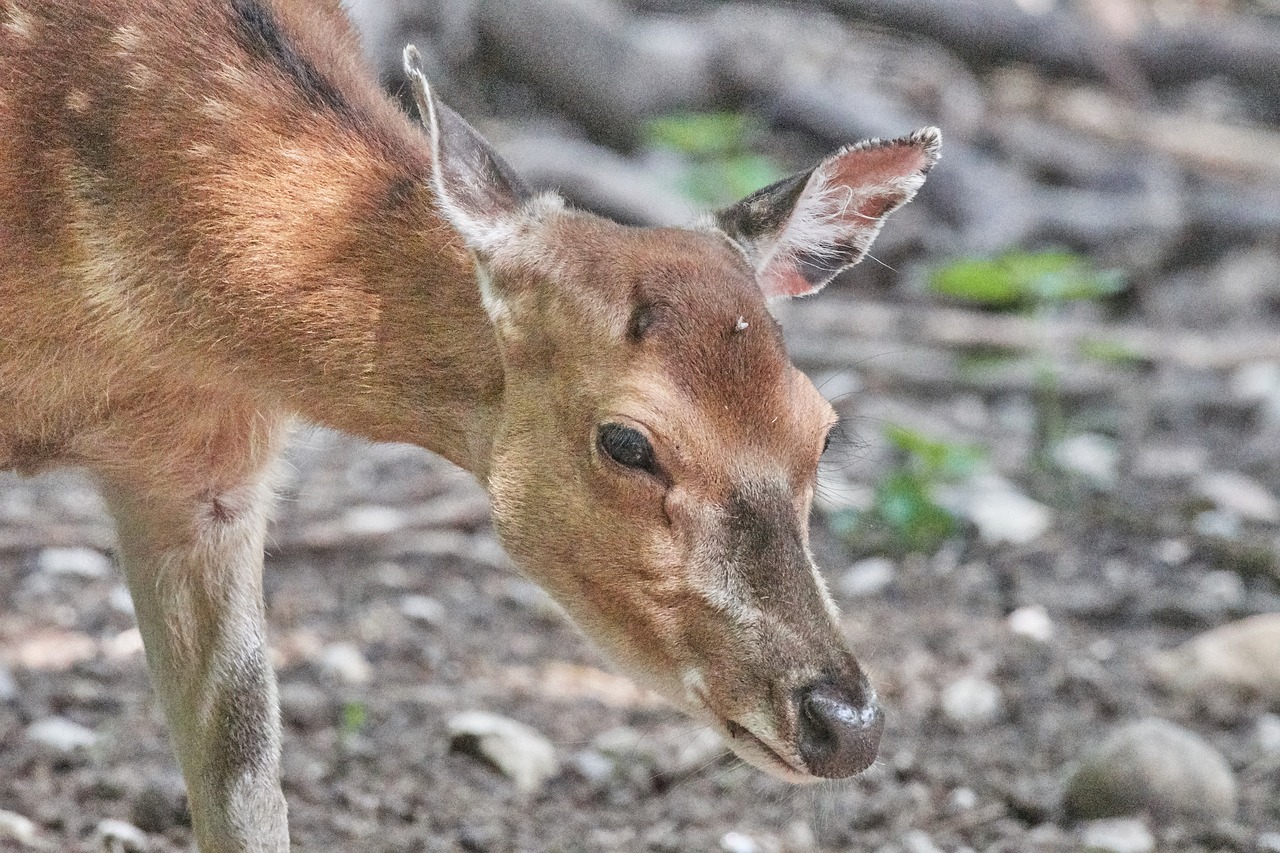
(228, 73)
(127, 39)
(19, 23)
(217, 110)
(77, 102)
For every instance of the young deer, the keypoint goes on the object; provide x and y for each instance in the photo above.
(213, 224)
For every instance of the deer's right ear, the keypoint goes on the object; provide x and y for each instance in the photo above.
(801, 231)
(477, 191)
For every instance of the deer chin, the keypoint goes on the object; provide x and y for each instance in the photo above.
(749, 746)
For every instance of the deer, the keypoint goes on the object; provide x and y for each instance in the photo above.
(216, 225)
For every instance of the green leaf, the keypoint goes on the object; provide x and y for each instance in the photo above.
(1019, 278)
(701, 134)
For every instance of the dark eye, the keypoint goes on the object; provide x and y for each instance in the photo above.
(627, 447)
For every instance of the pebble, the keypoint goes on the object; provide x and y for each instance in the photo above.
(75, 562)
(1268, 734)
(372, 520)
(424, 609)
(161, 805)
(1031, 621)
(15, 827)
(8, 687)
(972, 702)
(62, 735)
(866, 578)
(1002, 514)
(118, 836)
(738, 842)
(1269, 842)
(518, 751)
(1238, 657)
(918, 841)
(1090, 456)
(1123, 835)
(1236, 494)
(1156, 767)
(306, 706)
(346, 663)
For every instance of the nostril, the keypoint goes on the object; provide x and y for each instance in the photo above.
(838, 728)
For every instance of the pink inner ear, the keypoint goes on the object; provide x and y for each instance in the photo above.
(881, 165)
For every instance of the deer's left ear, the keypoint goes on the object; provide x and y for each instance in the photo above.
(801, 231)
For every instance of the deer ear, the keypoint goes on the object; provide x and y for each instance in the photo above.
(801, 231)
(475, 188)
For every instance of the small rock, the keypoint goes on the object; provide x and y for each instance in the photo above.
(346, 663)
(1031, 621)
(161, 805)
(1239, 495)
(1239, 657)
(117, 836)
(1001, 513)
(518, 751)
(15, 827)
(1122, 835)
(738, 842)
(372, 520)
(918, 841)
(76, 562)
(866, 578)
(963, 799)
(1155, 767)
(971, 702)
(1269, 842)
(593, 766)
(120, 599)
(1090, 456)
(424, 609)
(8, 687)
(306, 706)
(1217, 524)
(62, 735)
(1268, 734)
(1172, 552)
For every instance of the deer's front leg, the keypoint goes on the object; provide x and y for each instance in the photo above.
(194, 568)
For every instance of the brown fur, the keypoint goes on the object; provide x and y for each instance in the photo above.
(214, 224)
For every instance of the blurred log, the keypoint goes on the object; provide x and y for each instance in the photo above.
(596, 178)
(831, 324)
(604, 67)
(1243, 48)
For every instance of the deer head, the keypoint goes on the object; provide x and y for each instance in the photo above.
(653, 460)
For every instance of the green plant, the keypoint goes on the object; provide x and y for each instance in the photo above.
(905, 515)
(1038, 283)
(718, 164)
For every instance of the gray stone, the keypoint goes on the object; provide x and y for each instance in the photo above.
(1032, 621)
(1153, 767)
(16, 827)
(346, 663)
(738, 842)
(1090, 456)
(1117, 835)
(62, 735)
(972, 702)
(424, 610)
(1002, 514)
(866, 577)
(518, 751)
(1237, 658)
(8, 687)
(118, 836)
(1238, 495)
(75, 562)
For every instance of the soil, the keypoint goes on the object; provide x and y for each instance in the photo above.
(368, 765)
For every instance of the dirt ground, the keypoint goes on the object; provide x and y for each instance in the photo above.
(367, 760)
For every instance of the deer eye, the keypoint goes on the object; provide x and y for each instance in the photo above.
(627, 447)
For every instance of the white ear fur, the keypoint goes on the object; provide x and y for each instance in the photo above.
(800, 232)
(477, 192)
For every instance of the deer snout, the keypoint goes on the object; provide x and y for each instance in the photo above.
(838, 726)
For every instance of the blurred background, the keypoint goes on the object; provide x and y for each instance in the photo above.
(1051, 517)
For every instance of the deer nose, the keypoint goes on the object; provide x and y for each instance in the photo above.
(839, 727)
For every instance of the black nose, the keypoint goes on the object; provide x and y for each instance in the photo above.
(839, 727)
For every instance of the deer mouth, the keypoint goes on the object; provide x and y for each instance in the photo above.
(741, 735)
